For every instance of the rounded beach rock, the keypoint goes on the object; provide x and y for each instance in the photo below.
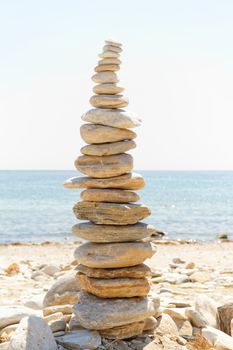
(113, 48)
(109, 54)
(111, 233)
(113, 255)
(97, 313)
(115, 287)
(107, 67)
(109, 101)
(109, 195)
(111, 213)
(108, 149)
(117, 118)
(138, 271)
(92, 133)
(112, 60)
(130, 181)
(104, 166)
(107, 89)
(123, 332)
(105, 77)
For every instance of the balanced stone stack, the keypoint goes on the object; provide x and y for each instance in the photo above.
(114, 298)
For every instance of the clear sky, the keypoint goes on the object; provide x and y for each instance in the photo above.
(177, 72)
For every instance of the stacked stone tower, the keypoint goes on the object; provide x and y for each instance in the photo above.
(114, 298)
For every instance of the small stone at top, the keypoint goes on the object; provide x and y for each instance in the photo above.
(113, 42)
(112, 48)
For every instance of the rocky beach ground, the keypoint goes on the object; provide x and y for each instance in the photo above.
(186, 276)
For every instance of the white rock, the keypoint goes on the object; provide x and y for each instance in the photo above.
(207, 308)
(4, 346)
(220, 340)
(13, 314)
(195, 318)
(35, 303)
(81, 338)
(50, 270)
(32, 333)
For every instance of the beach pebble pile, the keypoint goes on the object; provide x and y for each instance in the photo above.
(113, 277)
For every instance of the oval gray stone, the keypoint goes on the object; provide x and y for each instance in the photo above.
(111, 233)
(113, 255)
(107, 89)
(109, 101)
(107, 149)
(102, 213)
(105, 78)
(118, 118)
(92, 133)
(109, 195)
(97, 313)
(104, 166)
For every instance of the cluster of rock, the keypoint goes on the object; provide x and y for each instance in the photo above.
(111, 272)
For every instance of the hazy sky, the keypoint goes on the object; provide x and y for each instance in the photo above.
(177, 72)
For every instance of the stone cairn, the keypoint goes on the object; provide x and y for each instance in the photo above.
(114, 281)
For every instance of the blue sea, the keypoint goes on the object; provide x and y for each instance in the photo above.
(35, 207)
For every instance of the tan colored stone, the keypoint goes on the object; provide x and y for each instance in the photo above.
(112, 48)
(92, 133)
(111, 213)
(166, 325)
(65, 309)
(109, 61)
(114, 287)
(113, 255)
(117, 118)
(131, 181)
(109, 101)
(123, 332)
(112, 233)
(138, 271)
(109, 195)
(105, 77)
(150, 323)
(109, 54)
(107, 89)
(113, 43)
(107, 149)
(104, 166)
(107, 67)
(97, 313)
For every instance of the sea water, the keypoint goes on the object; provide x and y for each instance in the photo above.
(35, 207)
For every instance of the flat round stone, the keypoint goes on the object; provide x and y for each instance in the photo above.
(131, 181)
(104, 166)
(113, 255)
(138, 271)
(102, 213)
(109, 101)
(118, 118)
(105, 78)
(107, 67)
(114, 287)
(112, 48)
(123, 332)
(113, 42)
(109, 61)
(93, 133)
(107, 89)
(107, 149)
(109, 195)
(112, 233)
(97, 313)
(109, 54)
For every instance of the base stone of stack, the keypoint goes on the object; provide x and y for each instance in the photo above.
(100, 314)
(123, 332)
(111, 213)
(109, 101)
(138, 271)
(131, 181)
(113, 233)
(114, 287)
(117, 118)
(104, 166)
(113, 255)
(107, 89)
(93, 133)
(107, 149)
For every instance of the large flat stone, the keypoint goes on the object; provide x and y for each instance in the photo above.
(107, 149)
(110, 213)
(112, 233)
(113, 255)
(109, 195)
(109, 101)
(80, 339)
(106, 77)
(107, 67)
(107, 89)
(117, 118)
(123, 332)
(12, 314)
(130, 181)
(97, 313)
(114, 287)
(93, 133)
(104, 166)
(138, 271)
